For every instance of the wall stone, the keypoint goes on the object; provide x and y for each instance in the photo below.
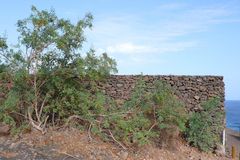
(192, 90)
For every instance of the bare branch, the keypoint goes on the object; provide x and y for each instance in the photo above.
(154, 124)
(33, 124)
(66, 154)
(53, 119)
(74, 117)
(20, 114)
(38, 127)
(155, 120)
(117, 140)
(111, 114)
(89, 132)
(45, 122)
(41, 108)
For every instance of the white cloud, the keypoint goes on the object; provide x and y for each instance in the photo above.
(128, 48)
(136, 35)
(133, 49)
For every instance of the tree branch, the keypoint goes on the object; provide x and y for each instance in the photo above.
(33, 123)
(117, 140)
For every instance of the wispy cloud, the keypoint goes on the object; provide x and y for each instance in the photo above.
(129, 48)
(137, 34)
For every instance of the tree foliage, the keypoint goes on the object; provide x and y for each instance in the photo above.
(47, 71)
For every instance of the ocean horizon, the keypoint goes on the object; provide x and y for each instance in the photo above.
(232, 109)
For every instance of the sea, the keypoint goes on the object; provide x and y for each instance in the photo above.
(232, 109)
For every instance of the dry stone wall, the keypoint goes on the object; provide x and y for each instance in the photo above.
(192, 90)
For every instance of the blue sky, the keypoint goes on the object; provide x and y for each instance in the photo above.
(152, 36)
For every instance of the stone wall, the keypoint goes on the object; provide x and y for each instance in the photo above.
(191, 89)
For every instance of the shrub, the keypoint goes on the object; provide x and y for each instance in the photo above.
(205, 126)
(47, 71)
(170, 110)
(135, 126)
(147, 113)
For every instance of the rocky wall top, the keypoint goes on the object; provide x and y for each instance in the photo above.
(192, 90)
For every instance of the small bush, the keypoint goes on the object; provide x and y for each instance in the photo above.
(170, 110)
(148, 113)
(205, 126)
(135, 126)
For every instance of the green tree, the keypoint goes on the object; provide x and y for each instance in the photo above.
(48, 63)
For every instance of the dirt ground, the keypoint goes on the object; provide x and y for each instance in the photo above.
(232, 139)
(76, 145)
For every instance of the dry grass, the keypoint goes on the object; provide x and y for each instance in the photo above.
(76, 143)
